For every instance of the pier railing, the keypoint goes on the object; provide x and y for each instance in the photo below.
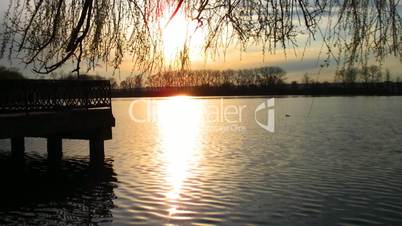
(18, 96)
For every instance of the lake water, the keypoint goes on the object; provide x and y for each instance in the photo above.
(182, 161)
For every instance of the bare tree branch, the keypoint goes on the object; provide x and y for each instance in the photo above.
(48, 34)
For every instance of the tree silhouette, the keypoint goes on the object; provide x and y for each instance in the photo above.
(10, 73)
(348, 75)
(46, 34)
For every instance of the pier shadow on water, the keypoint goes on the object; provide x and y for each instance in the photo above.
(36, 191)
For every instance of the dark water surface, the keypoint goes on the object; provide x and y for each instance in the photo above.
(331, 161)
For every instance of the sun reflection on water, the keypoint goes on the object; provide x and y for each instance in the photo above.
(179, 120)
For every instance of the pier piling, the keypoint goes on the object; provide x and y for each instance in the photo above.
(96, 150)
(17, 147)
(54, 148)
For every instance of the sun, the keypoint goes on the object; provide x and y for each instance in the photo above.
(177, 33)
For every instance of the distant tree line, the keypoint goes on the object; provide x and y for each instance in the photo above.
(269, 80)
(370, 80)
(366, 74)
(257, 77)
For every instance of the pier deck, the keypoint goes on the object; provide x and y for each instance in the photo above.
(56, 110)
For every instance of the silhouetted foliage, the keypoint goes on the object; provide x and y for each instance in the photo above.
(132, 82)
(113, 82)
(47, 34)
(258, 77)
(257, 81)
(374, 74)
(83, 77)
(10, 73)
(306, 79)
(387, 75)
(367, 74)
(346, 75)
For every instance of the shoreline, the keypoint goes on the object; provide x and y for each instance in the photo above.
(285, 90)
(252, 96)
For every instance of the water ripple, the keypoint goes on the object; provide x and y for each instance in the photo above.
(338, 165)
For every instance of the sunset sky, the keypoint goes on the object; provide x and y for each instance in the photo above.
(294, 62)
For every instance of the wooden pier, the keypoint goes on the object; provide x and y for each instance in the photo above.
(56, 110)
